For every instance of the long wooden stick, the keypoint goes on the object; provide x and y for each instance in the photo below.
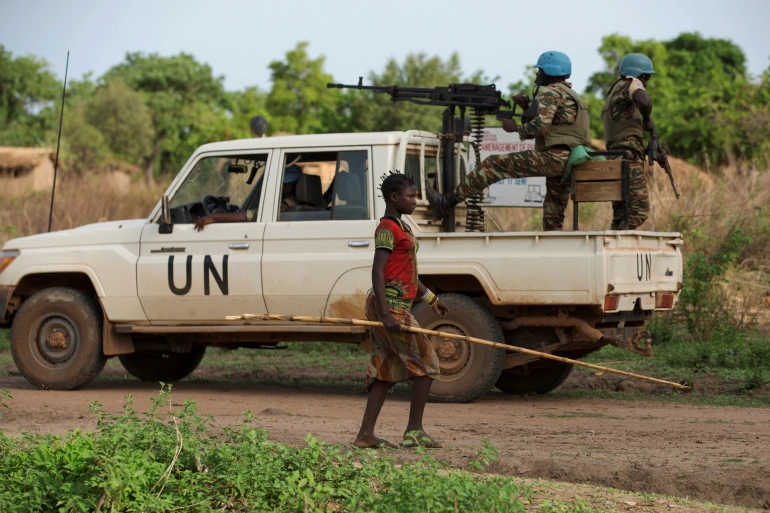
(375, 324)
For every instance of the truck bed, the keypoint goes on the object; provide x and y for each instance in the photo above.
(559, 268)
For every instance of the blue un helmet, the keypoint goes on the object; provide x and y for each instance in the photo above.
(292, 174)
(554, 64)
(635, 64)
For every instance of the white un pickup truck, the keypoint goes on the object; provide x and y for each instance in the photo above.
(155, 292)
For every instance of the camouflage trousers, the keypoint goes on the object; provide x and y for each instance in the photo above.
(550, 164)
(398, 356)
(638, 197)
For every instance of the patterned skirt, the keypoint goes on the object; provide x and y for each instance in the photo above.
(398, 356)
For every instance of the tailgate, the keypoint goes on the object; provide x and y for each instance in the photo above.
(643, 265)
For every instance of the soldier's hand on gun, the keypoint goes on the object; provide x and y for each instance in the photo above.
(522, 100)
(509, 125)
(648, 125)
(390, 323)
(440, 308)
(662, 159)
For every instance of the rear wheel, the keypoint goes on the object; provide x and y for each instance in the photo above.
(56, 339)
(467, 370)
(538, 381)
(162, 365)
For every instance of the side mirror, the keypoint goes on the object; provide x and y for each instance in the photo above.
(258, 126)
(165, 218)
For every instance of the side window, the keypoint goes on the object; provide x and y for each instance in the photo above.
(221, 184)
(324, 186)
(412, 168)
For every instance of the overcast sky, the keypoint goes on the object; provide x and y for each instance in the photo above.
(239, 38)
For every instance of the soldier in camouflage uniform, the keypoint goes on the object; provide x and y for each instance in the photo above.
(626, 115)
(561, 124)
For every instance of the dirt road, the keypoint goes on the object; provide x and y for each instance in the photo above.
(711, 453)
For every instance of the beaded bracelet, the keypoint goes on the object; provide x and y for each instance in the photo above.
(429, 297)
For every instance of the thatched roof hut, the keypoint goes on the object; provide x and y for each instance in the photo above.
(23, 170)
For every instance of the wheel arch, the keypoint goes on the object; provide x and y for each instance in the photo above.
(82, 278)
(34, 282)
(472, 284)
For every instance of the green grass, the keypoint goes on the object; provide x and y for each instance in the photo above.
(738, 359)
(5, 340)
(169, 459)
(677, 398)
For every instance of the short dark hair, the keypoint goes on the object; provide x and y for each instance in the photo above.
(395, 182)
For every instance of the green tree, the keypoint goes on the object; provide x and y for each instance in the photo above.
(526, 84)
(367, 111)
(121, 116)
(744, 125)
(299, 100)
(82, 90)
(28, 92)
(697, 81)
(84, 148)
(242, 106)
(186, 100)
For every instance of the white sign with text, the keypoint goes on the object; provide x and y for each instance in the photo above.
(511, 192)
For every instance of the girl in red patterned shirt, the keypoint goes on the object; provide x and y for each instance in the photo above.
(398, 355)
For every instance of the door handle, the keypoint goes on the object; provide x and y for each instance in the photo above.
(168, 250)
(239, 245)
(358, 243)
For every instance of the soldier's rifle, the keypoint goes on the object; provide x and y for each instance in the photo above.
(655, 153)
(480, 100)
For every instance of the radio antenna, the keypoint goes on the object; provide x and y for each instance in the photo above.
(58, 141)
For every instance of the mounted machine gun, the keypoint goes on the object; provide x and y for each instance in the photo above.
(479, 100)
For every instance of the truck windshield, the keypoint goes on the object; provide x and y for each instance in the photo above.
(233, 177)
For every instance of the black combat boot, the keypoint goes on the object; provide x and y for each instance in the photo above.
(440, 204)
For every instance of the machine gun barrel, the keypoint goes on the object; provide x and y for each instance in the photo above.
(391, 90)
(484, 99)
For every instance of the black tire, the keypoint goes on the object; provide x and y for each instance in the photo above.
(56, 339)
(467, 370)
(162, 366)
(538, 381)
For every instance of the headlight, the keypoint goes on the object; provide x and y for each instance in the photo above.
(6, 257)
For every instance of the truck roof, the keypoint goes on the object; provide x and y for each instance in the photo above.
(306, 141)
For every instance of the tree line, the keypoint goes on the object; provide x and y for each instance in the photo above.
(148, 113)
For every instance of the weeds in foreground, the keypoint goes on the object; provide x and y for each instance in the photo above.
(5, 396)
(168, 459)
(5, 340)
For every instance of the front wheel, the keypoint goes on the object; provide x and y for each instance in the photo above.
(467, 370)
(162, 366)
(56, 339)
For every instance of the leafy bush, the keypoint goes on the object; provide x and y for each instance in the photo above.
(706, 305)
(5, 340)
(706, 334)
(165, 460)
(5, 396)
